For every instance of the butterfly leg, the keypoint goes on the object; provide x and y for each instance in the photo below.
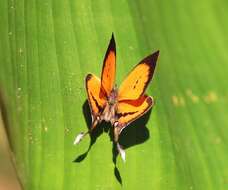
(81, 135)
(116, 139)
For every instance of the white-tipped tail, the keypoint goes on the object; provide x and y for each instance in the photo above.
(78, 138)
(122, 152)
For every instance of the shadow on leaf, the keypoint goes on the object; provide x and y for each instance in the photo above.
(135, 133)
(93, 135)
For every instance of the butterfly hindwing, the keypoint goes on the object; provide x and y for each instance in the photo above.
(130, 110)
(96, 95)
(109, 68)
(136, 82)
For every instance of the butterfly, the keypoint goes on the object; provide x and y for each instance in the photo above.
(119, 106)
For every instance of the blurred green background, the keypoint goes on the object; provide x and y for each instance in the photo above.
(47, 48)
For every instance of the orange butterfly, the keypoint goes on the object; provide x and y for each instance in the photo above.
(119, 106)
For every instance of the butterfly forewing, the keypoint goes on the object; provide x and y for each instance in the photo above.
(130, 110)
(96, 95)
(109, 68)
(136, 82)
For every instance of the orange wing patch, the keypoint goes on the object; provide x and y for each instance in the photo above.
(109, 68)
(96, 95)
(130, 110)
(137, 81)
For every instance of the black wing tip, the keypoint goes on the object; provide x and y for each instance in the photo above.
(112, 44)
(151, 59)
(156, 54)
(111, 47)
(113, 36)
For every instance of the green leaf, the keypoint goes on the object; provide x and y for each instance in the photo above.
(47, 48)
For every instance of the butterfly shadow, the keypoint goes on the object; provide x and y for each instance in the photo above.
(96, 132)
(134, 134)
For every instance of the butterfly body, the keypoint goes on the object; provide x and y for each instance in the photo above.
(120, 106)
(109, 112)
